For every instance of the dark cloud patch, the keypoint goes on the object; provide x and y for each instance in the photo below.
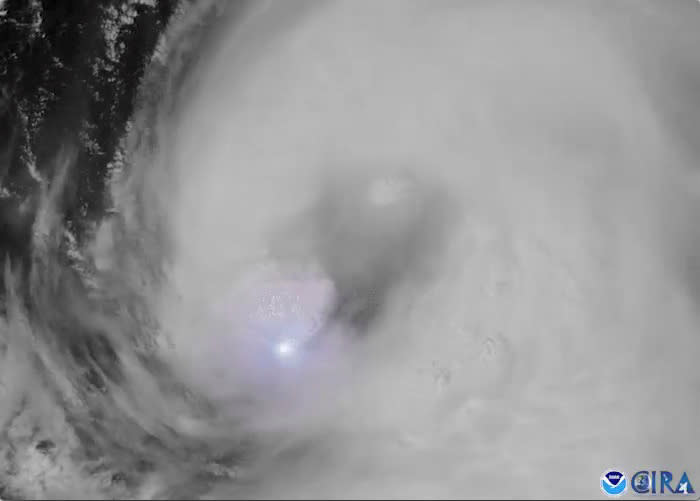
(373, 230)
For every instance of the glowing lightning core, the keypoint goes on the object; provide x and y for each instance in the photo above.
(285, 348)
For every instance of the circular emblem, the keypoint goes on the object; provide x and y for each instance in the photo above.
(641, 482)
(613, 482)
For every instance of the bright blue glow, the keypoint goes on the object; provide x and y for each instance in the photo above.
(285, 348)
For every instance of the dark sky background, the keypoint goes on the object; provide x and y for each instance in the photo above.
(68, 90)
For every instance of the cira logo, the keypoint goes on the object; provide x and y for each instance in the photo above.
(660, 482)
(613, 482)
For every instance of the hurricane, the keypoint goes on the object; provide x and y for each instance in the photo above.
(347, 249)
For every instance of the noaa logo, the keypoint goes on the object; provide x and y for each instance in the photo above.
(613, 483)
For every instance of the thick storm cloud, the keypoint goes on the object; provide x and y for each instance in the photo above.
(358, 249)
